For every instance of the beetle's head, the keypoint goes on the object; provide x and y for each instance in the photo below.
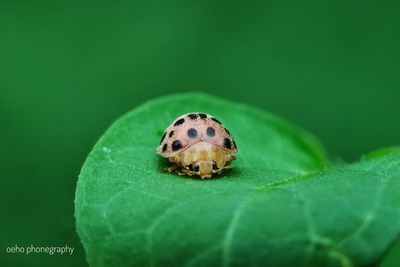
(204, 168)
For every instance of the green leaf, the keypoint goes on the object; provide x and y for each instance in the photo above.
(279, 206)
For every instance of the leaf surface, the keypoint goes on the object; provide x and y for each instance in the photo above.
(279, 205)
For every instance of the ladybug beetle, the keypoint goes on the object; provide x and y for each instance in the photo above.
(197, 144)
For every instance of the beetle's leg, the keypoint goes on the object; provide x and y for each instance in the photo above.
(184, 171)
(227, 167)
(171, 168)
(208, 176)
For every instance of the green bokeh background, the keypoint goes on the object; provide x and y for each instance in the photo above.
(68, 69)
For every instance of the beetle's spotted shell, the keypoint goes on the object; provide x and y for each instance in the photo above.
(197, 144)
(191, 128)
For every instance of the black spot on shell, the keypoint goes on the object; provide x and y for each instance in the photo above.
(192, 116)
(171, 134)
(179, 122)
(226, 130)
(227, 143)
(176, 145)
(164, 148)
(162, 138)
(217, 121)
(202, 115)
(234, 144)
(196, 168)
(192, 133)
(210, 131)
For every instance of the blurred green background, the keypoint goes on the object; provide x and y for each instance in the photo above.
(69, 69)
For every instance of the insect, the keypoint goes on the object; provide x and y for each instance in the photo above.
(197, 144)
